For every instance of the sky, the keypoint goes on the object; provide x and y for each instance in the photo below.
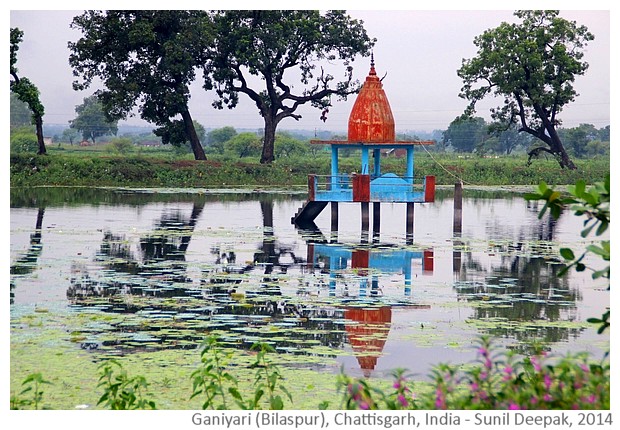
(418, 51)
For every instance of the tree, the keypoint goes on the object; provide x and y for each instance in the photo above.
(216, 138)
(91, 120)
(577, 138)
(532, 65)
(272, 43)
(510, 139)
(201, 133)
(69, 135)
(244, 145)
(466, 134)
(145, 58)
(287, 146)
(26, 91)
(604, 133)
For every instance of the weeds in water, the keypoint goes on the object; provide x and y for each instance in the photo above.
(267, 379)
(497, 380)
(122, 392)
(221, 389)
(212, 380)
(33, 385)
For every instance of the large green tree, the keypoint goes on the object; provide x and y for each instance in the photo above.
(145, 58)
(276, 45)
(466, 134)
(25, 90)
(69, 135)
(576, 139)
(91, 120)
(216, 138)
(244, 145)
(532, 65)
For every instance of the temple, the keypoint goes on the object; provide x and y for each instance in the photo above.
(371, 129)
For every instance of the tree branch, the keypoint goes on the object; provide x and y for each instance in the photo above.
(536, 152)
(244, 87)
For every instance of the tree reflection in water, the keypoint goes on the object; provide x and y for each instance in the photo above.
(339, 299)
(152, 285)
(27, 262)
(516, 284)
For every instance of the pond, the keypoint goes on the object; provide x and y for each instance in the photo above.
(161, 269)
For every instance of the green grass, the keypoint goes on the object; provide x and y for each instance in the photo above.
(162, 167)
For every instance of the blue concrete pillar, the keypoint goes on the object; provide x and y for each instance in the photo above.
(377, 155)
(334, 174)
(410, 164)
(365, 162)
(407, 270)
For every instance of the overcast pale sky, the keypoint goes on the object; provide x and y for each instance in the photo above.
(420, 50)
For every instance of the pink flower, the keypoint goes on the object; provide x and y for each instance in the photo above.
(590, 399)
(440, 400)
(354, 391)
(535, 363)
(402, 400)
(364, 405)
(547, 381)
(513, 406)
(547, 397)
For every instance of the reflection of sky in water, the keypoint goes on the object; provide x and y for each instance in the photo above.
(220, 268)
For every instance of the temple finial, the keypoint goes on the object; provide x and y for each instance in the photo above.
(372, 63)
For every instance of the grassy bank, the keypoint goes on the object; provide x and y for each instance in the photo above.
(156, 170)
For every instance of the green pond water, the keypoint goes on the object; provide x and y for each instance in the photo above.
(146, 275)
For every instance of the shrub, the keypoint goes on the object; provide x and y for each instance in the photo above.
(122, 145)
(221, 389)
(121, 392)
(24, 142)
(33, 386)
(495, 381)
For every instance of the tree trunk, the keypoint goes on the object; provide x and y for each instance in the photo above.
(39, 126)
(269, 140)
(555, 144)
(190, 131)
(558, 148)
